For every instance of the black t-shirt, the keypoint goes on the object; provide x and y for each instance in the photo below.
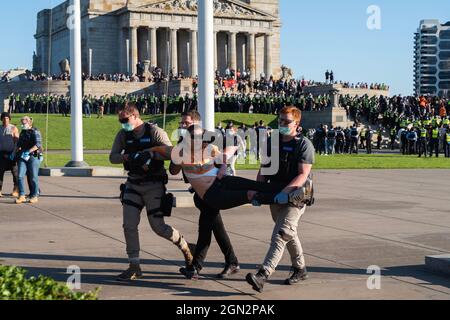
(291, 154)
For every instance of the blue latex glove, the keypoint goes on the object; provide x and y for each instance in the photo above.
(26, 156)
(12, 156)
(282, 198)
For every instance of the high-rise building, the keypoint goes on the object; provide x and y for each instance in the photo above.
(432, 58)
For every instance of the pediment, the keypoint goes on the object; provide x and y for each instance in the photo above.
(227, 8)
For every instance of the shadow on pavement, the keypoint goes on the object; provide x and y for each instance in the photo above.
(418, 272)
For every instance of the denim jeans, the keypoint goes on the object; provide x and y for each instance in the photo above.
(30, 167)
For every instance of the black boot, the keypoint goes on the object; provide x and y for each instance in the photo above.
(230, 269)
(296, 276)
(191, 273)
(134, 272)
(258, 280)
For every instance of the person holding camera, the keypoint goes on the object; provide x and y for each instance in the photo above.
(29, 155)
(9, 135)
(145, 187)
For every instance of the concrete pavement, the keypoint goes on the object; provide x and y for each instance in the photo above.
(388, 218)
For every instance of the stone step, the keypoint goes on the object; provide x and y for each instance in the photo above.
(82, 172)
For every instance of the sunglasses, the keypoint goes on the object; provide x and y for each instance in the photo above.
(124, 120)
(285, 122)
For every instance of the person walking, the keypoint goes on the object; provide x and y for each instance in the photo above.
(29, 154)
(9, 136)
(296, 162)
(145, 186)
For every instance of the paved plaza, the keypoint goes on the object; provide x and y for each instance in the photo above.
(391, 219)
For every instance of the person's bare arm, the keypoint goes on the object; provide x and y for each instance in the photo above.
(116, 156)
(16, 135)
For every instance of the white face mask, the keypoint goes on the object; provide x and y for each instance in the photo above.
(25, 126)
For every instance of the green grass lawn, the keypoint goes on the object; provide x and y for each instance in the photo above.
(99, 134)
(322, 162)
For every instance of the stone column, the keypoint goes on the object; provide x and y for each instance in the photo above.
(252, 55)
(133, 50)
(232, 51)
(216, 59)
(268, 56)
(122, 51)
(194, 53)
(174, 51)
(153, 48)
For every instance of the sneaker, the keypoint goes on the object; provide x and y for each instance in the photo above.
(230, 269)
(191, 273)
(21, 200)
(15, 193)
(258, 280)
(296, 276)
(134, 272)
(34, 200)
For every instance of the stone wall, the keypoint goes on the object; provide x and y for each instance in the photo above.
(330, 116)
(326, 89)
(94, 88)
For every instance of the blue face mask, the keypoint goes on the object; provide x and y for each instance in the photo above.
(182, 132)
(285, 131)
(127, 127)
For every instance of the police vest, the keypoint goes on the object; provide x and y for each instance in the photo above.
(288, 154)
(446, 122)
(423, 133)
(435, 133)
(340, 135)
(393, 132)
(354, 133)
(447, 137)
(134, 145)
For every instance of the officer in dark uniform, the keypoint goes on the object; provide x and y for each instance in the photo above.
(145, 187)
(369, 138)
(423, 142)
(354, 140)
(296, 158)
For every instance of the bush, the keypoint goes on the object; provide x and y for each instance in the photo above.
(14, 285)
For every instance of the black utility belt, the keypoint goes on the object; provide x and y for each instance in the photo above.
(163, 179)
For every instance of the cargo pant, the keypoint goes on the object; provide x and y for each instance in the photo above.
(135, 198)
(285, 235)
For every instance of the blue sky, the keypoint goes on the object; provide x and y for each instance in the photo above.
(316, 35)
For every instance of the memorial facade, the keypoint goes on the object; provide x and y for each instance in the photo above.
(119, 34)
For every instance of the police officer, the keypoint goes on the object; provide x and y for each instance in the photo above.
(447, 142)
(423, 142)
(340, 141)
(354, 140)
(434, 141)
(145, 187)
(369, 138)
(393, 136)
(331, 140)
(296, 161)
